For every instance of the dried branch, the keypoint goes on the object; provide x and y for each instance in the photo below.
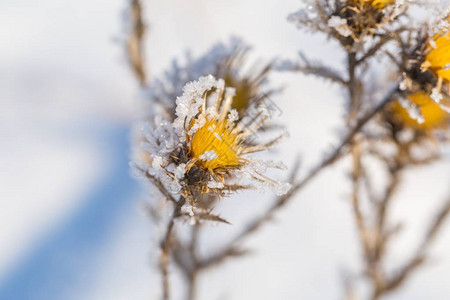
(420, 256)
(281, 201)
(381, 211)
(207, 216)
(135, 43)
(375, 238)
(166, 249)
(436, 226)
(220, 257)
(158, 184)
(375, 48)
(357, 173)
(315, 68)
(192, 275)
(383, 40)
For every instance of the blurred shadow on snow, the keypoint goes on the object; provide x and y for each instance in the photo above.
(63, 262)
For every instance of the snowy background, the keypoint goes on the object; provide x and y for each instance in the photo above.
(72, 223)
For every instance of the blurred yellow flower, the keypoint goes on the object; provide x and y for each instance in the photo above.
(433, 115)
(244, 91)
(380, 4)
(437, 58)
(249, 85)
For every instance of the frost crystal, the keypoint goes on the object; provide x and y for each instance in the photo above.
(180, 171)
(160, 137)
(256, 167)
(157, 162)
(189, 103)
(433, 44)
(436, 95)
(413, 110)
(403, 86)
(444, 107)
(340, 25)
(215, 185)
(208, 155)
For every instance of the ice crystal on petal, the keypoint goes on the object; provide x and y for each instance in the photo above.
(233, 116)
(444, 107)
(208, 155)
(436, 95)
(189, 103)
(412, 109)
(215, 185)
(433, 44)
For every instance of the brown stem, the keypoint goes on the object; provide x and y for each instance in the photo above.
(192, 274)
(165, 249)
(352, 82)
(135, 43)
(192, 286)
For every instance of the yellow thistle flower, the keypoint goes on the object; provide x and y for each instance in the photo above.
(433, 115)
(215, 139)
(220, 141)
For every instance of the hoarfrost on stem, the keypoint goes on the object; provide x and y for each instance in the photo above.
(340, 25)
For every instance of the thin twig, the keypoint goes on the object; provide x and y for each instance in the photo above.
(166, 247)
(158, 184)
(317, 69)
(420, 256)
(372, 51)
(192, 275)
(135, 43)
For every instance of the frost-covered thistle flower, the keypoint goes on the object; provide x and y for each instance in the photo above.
(205, 149)
(223, 60)
(419, 113)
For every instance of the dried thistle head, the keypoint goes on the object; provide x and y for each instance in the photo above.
(363, 18)
(351, 22)
(227, 61)
(248, 85)
(204, 151)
